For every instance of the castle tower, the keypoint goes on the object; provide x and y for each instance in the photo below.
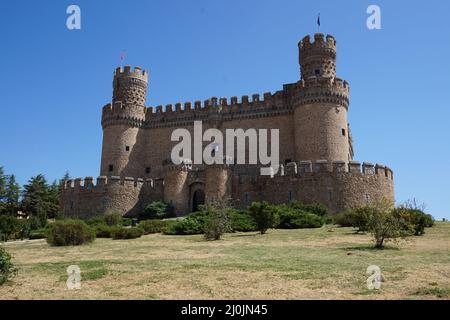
(321, 104)
(121, 121)
(217, 182)
(176, 189)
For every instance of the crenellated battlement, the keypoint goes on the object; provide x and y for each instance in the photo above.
(128, 72)
(336, 167)
(323, 90)
(104, 183)
(141, 116)
(320, 43)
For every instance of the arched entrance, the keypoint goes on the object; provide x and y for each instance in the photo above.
(198, 199)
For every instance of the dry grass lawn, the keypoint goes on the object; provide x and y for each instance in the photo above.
(283, 264)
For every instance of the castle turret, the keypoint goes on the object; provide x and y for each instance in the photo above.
(321, 104)
(218, 183)
(318, 58)
(121, 121)
(176, 189)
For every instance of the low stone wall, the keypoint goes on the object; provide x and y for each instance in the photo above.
(82, 198)
(337, 185)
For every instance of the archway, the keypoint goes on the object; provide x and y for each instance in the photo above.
(198, 199)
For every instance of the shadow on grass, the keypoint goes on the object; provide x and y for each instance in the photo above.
(370, 248)
(232, 235)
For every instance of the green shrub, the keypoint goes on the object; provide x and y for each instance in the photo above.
(184, 226)
(153, 226)
(415, 220)
(38, 234)
(314, 208)
(157, 210)
(242, 221)
(112, 218)
(7, 269)
(218, 221)
(355, 218)
(126, 222)
(297, 219)
(103, 231)
(70, 232)
(121, 233)
(265, 215)
(10, 228)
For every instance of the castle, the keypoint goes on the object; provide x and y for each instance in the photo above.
(315, 149)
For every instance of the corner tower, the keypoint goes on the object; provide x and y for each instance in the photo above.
(321, 104)
(121, 122)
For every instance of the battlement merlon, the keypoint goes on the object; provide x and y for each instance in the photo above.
(87, 184)
(321, 42)
(128, 72)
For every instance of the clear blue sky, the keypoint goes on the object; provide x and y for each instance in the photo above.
(53, 82)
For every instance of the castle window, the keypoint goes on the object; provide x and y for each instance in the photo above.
(287, 161)
(147, 170)
(290, 195)
(343, 132)
(110, 168)
(329, 195)
(240, 179)
(317, 72)
(127, 148)
(367, 197)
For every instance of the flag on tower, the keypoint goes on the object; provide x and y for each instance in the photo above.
(318, 20)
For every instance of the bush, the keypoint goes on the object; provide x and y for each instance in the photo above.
(7, 270)
(186, 226)
(241, 221)
(103, 231)
(314, 208)
(126, 222)
(10, 228)
(38, 234)
(70, 232)
(153, 226)
(355, 218)
(218, 221)
(121, 233)
(157, 210)
(112, 218)
(297, 219)
(415, 220)
(265, 215)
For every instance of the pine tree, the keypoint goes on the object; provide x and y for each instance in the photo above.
(35, 196)
(12, 193)
(2, 184)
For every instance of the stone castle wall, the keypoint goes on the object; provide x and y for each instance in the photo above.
(84, 198)
(314, 136)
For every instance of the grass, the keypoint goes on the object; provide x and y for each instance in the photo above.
(283, 264)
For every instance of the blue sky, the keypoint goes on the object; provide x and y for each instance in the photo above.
(54, 81)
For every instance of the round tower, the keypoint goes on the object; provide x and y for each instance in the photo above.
(217, 182)
(176, 189)
(321, 104)
(121, 122)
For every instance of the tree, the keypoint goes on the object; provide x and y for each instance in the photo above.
(157, 210)
(218, 221)
(265, 215)
(2, 190)
(36, 196)
(11, 198)
(385, 225)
